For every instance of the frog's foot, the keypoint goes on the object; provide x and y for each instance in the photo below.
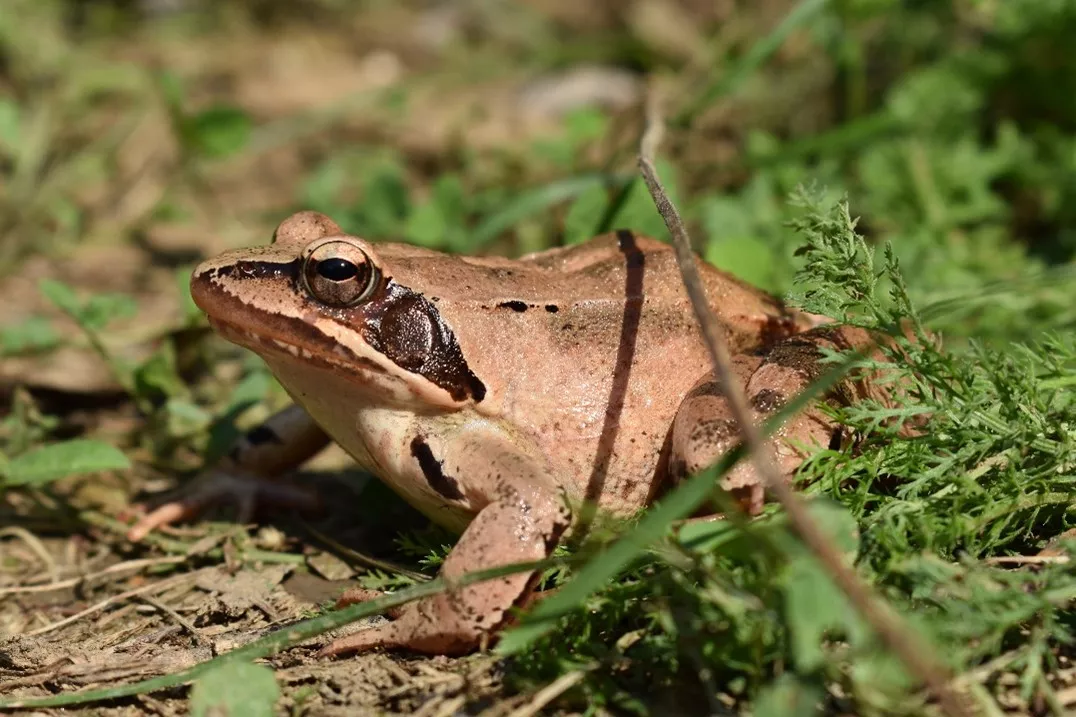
(250, 474)
(435, 626)
(411, 630)
(705, 428)
(246, 492)
(357, 595)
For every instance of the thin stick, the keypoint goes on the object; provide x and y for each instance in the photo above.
(35, 545)
(1027, 560)
(908, 645)
(110, 601)
(90, 577)
(548, 693)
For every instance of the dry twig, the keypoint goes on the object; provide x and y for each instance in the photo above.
(152, 587)
(176, 618)
(90, 577)
(910, 648)
(547, 694)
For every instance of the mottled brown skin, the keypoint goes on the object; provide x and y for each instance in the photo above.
(495, 395)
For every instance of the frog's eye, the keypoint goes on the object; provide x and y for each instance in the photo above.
(338, 273)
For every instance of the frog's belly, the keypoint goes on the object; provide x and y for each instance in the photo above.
(378, 442)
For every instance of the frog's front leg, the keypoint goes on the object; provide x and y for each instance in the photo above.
(246, 475)
(704, 427)
(521, 519)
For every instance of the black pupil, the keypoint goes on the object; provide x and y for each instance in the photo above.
(337, 269)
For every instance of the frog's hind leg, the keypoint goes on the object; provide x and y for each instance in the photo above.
(246, 476)
(704, 427)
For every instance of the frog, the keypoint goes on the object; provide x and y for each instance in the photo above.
(501, 396)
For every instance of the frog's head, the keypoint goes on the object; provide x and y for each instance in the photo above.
(321, 300)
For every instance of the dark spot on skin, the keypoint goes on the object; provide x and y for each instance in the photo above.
(513, 305)
(767, 400)
(707, 388)
(433, 470)
(713, 432)
(262, 434)
(552, 308)
(802, 356)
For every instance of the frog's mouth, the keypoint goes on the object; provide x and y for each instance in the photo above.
(266, 343)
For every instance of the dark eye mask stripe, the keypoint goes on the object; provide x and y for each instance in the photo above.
(257, 270)
(408, 329)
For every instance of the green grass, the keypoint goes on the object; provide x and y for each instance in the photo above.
(948, 129)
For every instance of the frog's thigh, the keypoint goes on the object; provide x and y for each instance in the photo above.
(704, 427)
(280, 444)
(522, 518)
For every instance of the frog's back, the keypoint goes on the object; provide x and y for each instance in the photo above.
(590, 349)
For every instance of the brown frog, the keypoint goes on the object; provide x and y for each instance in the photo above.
(496, 395)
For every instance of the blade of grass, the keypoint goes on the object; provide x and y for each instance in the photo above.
(538, 200)
(728, 82)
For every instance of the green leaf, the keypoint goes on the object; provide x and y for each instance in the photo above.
(62, 295)
(745, 256)
(235, 689)
(537, 200)
(186, 301)
(584, 213)
(585, 124)
(253, 388)
(814, 606)
(734, 244)
(386, 200)
(218, 131)
(171, 88)
(95, 312)
(184, 417)
(158, 376)
(10, 125)
(637, 212)
(33, 334)
(48, 463)
(788, 697)
(439, 221)
(100, 309)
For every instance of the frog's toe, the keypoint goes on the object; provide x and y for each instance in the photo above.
(368, 639)
(431, 627)
(245, 492)
(357, 595)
